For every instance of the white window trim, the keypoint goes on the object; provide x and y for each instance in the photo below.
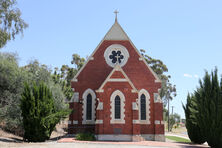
(145, 92)
(84, 97)
(112, 110)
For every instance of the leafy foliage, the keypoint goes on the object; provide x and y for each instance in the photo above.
(11, 22)
(64, 76)
(205, 110)
(38, 73)
(78, 61)
(191, 112)
(11, 85)
(175, 118)
(85, 137)
(38, 111)
(12, 78)
(168, 91)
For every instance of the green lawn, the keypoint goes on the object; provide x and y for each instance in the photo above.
(178, 139)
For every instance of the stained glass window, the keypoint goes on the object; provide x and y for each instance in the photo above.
(89, 107)
(143, 107)
(116, 56)
(117, 107)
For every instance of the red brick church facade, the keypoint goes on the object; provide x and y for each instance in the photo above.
(116, 93)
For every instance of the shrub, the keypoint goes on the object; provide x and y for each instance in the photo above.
(204, 111)
(192, 126)
(39, 114)
(209, 100)
(85, 137)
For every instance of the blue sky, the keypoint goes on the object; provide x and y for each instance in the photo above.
(185, 34)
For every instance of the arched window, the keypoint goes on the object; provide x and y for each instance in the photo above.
(143, 107)
(89, 107)
(117, 107)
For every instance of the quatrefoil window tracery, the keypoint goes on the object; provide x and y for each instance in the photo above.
(116, 56)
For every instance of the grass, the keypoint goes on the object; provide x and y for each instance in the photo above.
(178, 139)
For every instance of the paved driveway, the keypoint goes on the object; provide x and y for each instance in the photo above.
(71, 145)
(9, 143)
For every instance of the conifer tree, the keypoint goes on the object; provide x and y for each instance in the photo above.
(38, 112)
(192, 126)
(209, 100)
(204, 110)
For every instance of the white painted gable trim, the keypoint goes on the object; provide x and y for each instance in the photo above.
(124, 37)
(117, 80)
(116, 33)
(108, 79)
(84, 97)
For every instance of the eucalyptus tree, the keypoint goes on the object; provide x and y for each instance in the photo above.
(11, 22)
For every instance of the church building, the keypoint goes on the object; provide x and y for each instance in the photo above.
(116, 93)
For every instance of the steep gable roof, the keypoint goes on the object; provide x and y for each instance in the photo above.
(116, 32)
(110, 79)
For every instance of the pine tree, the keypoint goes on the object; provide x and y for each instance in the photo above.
(192, 126)
(209, 100)
(204, 111)
(38, 112)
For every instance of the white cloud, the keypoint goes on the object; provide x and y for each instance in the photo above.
(187, 75)
(196, 76)
(190, 76)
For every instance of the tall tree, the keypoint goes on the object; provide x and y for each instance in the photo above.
(77, 61)
(209, 100)
(191, 113)
(204, 111)
(11, 84)
(11, 22)
(168, 90)
(65, 74)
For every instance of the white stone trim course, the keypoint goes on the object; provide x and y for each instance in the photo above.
(76, 97)
(99, 121)
(75, 121)
(100, 106)
(157, 98)
(136, 122)
(134, 106)
(157, 122)
(114, 137)
(117, 80)
(125, 137)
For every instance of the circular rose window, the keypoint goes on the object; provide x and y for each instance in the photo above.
(116, 54)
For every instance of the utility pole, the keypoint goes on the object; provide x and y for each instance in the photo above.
(172, 109)
(168, 98)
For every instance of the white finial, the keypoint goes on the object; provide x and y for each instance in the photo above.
(116, 12)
